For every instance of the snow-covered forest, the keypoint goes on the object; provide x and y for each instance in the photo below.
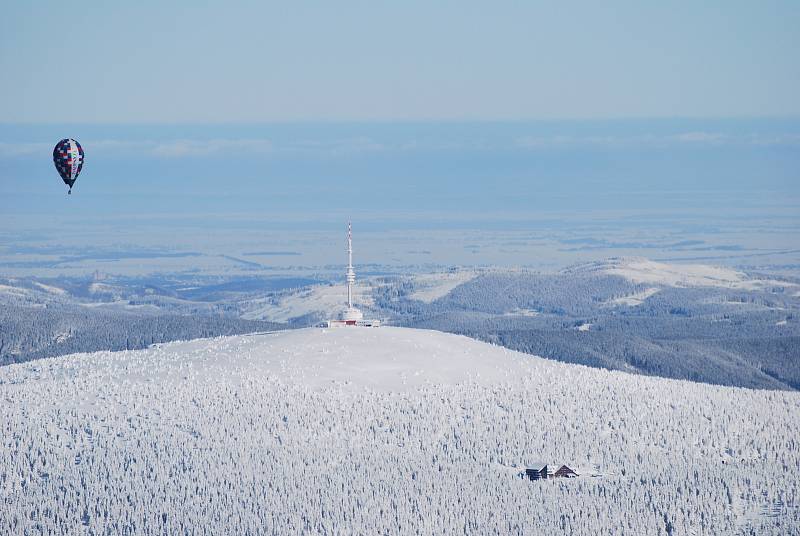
(388, 431)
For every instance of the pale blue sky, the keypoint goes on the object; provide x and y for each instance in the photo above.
(442, 114)
(202, 62)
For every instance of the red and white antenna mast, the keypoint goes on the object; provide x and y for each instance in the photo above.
(351, 316)
(351, 274)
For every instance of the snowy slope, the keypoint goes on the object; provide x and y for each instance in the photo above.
(430, 287)
(388, 359)
(634, 299)
(383, 430)
(320, 299)
(645, 271)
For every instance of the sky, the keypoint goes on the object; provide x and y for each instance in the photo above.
(231, 62)
(434, 115)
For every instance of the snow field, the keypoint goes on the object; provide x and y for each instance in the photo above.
(431, 287)
(644, 271)
(634, 299)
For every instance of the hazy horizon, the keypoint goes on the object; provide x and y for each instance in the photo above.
(624, 187)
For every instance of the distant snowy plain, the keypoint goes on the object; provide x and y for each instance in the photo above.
(387, 431)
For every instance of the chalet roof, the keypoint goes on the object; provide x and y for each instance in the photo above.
(536, 466)
(565, 469)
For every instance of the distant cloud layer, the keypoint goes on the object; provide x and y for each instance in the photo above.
(8, 150)
(701, 137)
(698, 138)
(178, 148)
(472, 139)
(184, 148)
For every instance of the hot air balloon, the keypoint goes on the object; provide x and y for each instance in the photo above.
(68, 158)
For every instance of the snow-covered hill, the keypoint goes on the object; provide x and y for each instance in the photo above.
(645, 271)
(383, 431)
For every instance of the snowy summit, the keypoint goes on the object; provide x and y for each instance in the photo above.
(391, 431)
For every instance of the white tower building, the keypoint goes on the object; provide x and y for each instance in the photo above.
(351, 313)
(351, 316)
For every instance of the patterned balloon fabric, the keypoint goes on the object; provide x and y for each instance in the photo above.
(68, 159)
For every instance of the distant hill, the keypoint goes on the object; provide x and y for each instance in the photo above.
(39, 320)
(695, 322)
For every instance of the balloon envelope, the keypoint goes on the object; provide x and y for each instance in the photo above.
(68, 158)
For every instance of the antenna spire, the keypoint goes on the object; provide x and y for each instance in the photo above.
(351, 274)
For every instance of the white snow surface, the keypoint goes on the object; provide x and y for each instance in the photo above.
(686, 275)
(386, 359)
(645, 271)
(6, 289)
(635, 299)
(96, 288)
(51, 289)
(430, 287)
(388, 431)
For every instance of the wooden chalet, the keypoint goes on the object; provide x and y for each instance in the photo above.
(536, 471)
(565, 472)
